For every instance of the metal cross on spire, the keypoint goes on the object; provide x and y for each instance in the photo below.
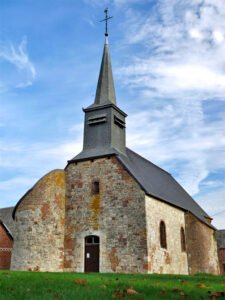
(106, 21)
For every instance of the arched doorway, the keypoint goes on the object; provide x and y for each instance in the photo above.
(91, 254)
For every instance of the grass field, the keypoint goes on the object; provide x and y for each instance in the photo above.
(80, 286)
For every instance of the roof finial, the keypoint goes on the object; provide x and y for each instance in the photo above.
(106, 21)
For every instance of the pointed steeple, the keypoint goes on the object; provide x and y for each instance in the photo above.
(105, 92)
(104, 124)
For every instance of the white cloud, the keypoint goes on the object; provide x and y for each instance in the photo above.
(217, 211)
(19, 58)
(29, 163)
(43, 156)
(180, 66)
(184, 48)
(218, 36)
(194, 33)
(15, 183)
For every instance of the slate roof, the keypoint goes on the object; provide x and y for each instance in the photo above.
(7, 220)
(220, 234)
(105, 89)
(158, 183)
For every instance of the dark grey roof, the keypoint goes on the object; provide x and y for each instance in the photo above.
(6, 229)
(220, 234)
(6, 218)
(160, 184)
(105, 92)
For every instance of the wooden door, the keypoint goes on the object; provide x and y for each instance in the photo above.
(91, 259)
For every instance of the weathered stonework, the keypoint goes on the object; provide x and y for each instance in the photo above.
(202, 247)
(116, 215)
(220, 235)
(171, 260)
(40, 216)
(51, 231)
(222, 261)
(6, 245)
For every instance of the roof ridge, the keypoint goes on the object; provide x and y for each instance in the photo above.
(6, 207)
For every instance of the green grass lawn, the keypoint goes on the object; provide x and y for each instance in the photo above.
(37, 285)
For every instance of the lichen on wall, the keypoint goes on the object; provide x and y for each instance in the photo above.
(95, 208)
(116, 215)
(40, 218)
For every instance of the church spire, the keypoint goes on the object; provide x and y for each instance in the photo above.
(105, 92)
(104, 124)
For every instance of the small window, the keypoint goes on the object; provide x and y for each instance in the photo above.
(162, 229)
(96, 240)
(182, 239)
(91, 239)
(95, 187)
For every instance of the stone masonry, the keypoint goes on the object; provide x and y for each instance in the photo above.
(116, 215)
(202, 247)
(171, 260)
(222, 261)
(51, 231)
(220, 234)
(40, 216)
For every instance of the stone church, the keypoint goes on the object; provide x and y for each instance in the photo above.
(110, 209)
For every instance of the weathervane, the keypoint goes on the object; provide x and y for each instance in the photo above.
(106, 21)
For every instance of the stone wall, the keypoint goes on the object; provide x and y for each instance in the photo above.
(40, 216)
(6, 245)
(171, 260)
(222, 261)
(116, 215)
(220, 235)
(202, 247)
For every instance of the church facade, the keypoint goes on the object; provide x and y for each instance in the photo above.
(111, 210)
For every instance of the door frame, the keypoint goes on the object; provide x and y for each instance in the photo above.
(91, 240)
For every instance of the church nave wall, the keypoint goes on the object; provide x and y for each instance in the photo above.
(172, 259)
(202, 244)
(39, 234)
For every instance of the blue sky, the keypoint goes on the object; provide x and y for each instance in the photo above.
(169, 72)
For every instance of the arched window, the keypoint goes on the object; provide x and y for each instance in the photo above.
(95, 187)
(162, 229)
(182, 239)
